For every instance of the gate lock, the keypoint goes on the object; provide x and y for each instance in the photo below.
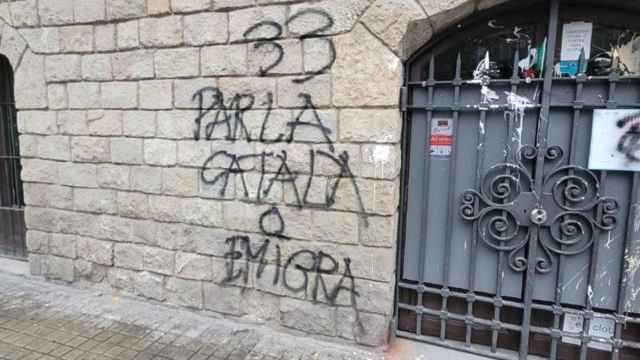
(538, 216)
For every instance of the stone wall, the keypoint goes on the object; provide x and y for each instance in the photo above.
(234, 156)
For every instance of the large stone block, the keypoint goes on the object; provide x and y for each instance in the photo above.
(158, 260)
(37, 122)
(185, 292)
(131, 204)
(38, 242)
(123, 9)
(259, 87)
(95, 200)
(150, 285)
(146, 179)
(119, 95)
(96, 251)
(311, 16)
(75, 174)
(54, 147)
(380, 161)
(139, 123)
(354, 50)
(160, 152)
(380, 125)
(201, 212)
(184, 92)
(335, 227)
(222, 299)
(206, 28)
(130, 65)
(45, 195)
(63, 67)
(44, 40)
(39, 170)
(179, 181)
(172, 63)
(89, 10)
(157, 7)
(105, 37)
(24, 13)
(73, 122)
(55, 12)
(97, 67)
(224, 60)
(128, 256)
(379, 231)
(77, 38)
(242, 20)
(89, 149)
(103, 122)
(63, 245)
(12, 45)
(30, 85)
(126, 151)
(390, 19)
(128, 34)
(192, 266)
(161, 32)
(179, 6)
(113, 177)
(366, 329)
(58, 268)
(57, 96)
(156, 94)
(84, 95)
(177, 124)
(318, 88)
(308, 317)
(263, 57)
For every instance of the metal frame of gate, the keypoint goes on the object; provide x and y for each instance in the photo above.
(600, 214)
(12, 224)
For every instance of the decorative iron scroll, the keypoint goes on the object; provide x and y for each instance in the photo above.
(508, 190)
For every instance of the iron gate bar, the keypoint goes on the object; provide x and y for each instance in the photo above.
(425, 199)
(450, 203)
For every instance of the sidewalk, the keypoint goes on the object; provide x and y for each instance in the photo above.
(40, 320)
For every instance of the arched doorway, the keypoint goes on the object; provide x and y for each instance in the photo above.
(521, 221)
(12, 226)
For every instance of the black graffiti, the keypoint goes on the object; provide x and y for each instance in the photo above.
(219, 167)
(305, 264)
(271, 41)
(272, 224)
(629, 143)
(214, 112)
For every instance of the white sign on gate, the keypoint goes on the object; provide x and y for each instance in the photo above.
(598, 327)
(615, 140)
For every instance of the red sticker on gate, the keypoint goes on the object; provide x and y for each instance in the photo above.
(441, 141)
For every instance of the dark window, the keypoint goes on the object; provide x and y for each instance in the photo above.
(12, 229)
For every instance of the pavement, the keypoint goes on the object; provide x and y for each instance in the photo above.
(43, 320)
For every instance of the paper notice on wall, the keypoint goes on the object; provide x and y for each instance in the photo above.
(600, 327)
(441, 141)
(576, 38)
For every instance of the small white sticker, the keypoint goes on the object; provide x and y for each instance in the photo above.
(441, 141)
(598, 327)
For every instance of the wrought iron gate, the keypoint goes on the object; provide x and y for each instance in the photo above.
(510, 241)
(12, 225)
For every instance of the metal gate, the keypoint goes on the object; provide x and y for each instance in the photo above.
(512, 247)
(12, 225)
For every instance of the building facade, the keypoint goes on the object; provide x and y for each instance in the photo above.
(271, 160)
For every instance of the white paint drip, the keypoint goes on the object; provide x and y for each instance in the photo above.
(590, 294)
(636, 217)
(488, 95)
(380, 156)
